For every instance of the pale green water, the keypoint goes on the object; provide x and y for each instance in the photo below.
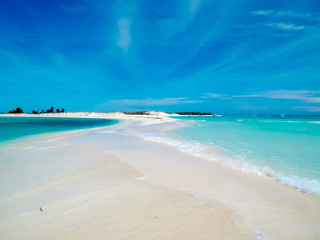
(287, 149)
(15, 127)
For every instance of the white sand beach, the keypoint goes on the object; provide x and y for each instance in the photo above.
(150, 118)
(109, 183)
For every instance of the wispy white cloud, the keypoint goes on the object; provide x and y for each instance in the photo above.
(296, 14)
(309, 108)
(307, 96)
(152, 102)
(124, 38)
(285, 26)
(287, 20)
(183, 24)
(287, 14)
(214, 95)
(263, 12)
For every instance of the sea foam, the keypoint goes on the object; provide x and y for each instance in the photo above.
(207, 152)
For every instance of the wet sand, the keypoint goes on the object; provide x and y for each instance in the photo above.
(107, 183)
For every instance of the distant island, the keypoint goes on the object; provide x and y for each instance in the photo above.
(51, 110)
(138, 113)
(195, 113)
(18, 110)
(179, 113)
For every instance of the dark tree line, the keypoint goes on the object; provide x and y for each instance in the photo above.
(194, 113)
(51, 110)
(18, 110)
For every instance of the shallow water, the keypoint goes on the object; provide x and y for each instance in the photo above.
(15, 127)
(284, 148)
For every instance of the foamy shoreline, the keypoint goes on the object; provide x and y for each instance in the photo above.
(130, 188)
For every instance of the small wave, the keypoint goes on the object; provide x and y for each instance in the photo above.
(205, 152)
(140, 178)
(202, 125)
(280, 121)
(145, 175)
(314, 122)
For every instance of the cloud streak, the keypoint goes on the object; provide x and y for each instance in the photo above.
(152, 102)
(307, 96)
(262, 12)
(213, 95)
(313, 109)
(286, 14)
(124, 38)
(280, 19)
(285, 26)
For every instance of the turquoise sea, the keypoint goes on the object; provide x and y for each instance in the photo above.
(15, 127)
(286, 149)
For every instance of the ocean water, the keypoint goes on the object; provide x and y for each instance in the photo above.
(15, 127)
(286, 149)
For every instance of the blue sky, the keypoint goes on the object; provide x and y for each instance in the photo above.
(249, 56)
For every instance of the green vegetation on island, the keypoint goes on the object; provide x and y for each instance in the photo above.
(180, 113)
(18, 110)
(137, 113)
(195, 113)
(51, 110)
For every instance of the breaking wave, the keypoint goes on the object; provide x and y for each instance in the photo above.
(207, 152)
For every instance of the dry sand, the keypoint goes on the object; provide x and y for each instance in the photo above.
(107, 183)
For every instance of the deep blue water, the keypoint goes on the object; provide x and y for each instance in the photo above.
(15, 127)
